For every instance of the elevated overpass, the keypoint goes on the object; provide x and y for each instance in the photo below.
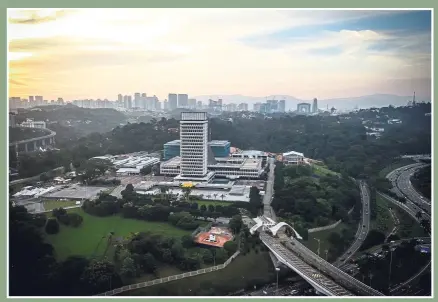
(323, 276)
(32, 144)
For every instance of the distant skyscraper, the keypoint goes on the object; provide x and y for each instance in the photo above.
(183, 100)
(243, 107)
(199, 104)
(143, 95)
(38, 101)
(192, 103)
(120, 98)
(282, 106)
(220, 104)
(31, 99)
(127, 100)
(256, 107)
(137, 100)
(315, 105)
(173, 101)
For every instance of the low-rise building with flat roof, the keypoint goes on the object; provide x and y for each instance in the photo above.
(230, 167)
(250, 154)
(293, 158)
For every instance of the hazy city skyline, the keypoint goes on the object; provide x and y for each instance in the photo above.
(99, 53)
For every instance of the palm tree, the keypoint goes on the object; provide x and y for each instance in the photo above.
(186, 192)
(201, 196)
(222, 196)
(418, 215)
(215, 195)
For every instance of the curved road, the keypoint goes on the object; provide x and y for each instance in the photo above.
(401, 182)
(363, 229)
(29, 140)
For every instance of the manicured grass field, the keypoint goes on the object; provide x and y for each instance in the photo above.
(240, 273)
(89, 240)
(53, 204)
(395, 165)
(384, 222)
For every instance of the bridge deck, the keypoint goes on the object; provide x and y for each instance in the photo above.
(295, 262)
(334, 272)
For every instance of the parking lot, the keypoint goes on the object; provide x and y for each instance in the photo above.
(76, 192)
(260, 184)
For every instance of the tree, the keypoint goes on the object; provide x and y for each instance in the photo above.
(255, 200)
(146, 170)
(150, 263)
(52, 226)
(39, 220)
(235, 224)
(418, 215)
(374, 238)
(128, 268)
(203, 208)
(75, 219)
(33, 268)
(207, 256)
(100, 276)
(230, 247)
(187, 241)
(426, 225)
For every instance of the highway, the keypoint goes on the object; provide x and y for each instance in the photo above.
(363, 228)
(269, 192)
(332, 271)
(401, 182)
(293, 261)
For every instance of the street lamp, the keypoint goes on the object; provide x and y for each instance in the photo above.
(319, 244)
(391, 249)
(326, 254)
(277, 269)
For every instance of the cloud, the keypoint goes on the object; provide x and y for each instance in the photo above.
(34, 17)
(17, 83)
(202, 51)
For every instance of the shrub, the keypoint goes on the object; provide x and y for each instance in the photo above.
(52, 226)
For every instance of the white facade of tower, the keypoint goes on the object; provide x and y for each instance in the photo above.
(194, 144)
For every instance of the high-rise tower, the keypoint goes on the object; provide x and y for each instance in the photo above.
(194, 144)
(315, 105)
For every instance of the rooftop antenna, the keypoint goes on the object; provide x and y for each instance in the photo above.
(413, 99)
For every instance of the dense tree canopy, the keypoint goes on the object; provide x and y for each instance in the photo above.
(340, 141)
(311, 201)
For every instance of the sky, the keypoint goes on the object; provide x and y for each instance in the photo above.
(99, 53)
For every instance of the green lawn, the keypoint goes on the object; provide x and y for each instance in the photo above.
(408, 226)
(53, 204)
(243, 271)
(89, 240)
(322, 170)
(395, 165)
(384, 222)
(323, 236)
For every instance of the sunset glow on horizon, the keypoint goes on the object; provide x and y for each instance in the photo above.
(99, 53)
